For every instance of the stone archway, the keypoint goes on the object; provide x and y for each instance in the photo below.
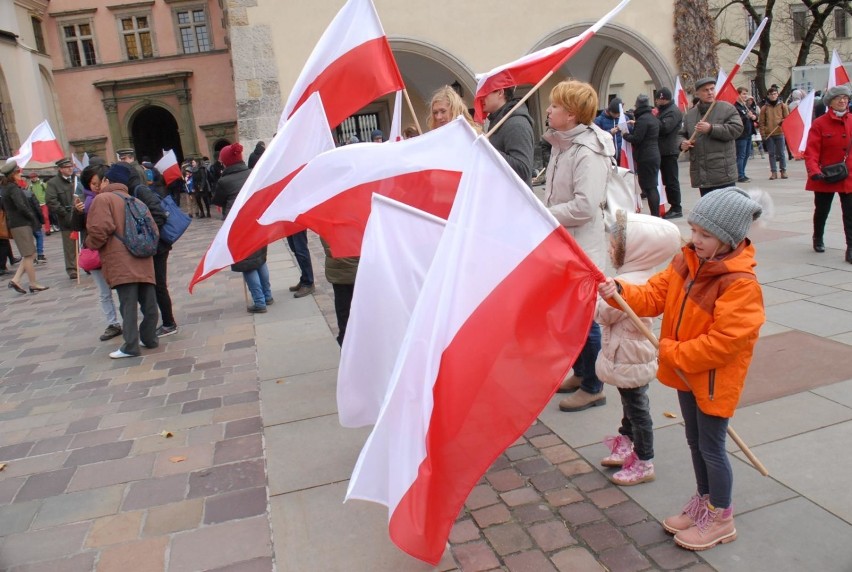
(154, 128)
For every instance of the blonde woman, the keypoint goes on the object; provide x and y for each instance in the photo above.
(577, 173)
(445, 106)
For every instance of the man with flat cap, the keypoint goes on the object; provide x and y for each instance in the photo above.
(670, 120)
(59, 197)
(129, 156)
(710, 141)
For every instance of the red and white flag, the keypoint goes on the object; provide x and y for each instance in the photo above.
(626, 160)
(726, 90)
(399, 245)
(331, 195)
(484, 352)
(837, 73)
(396, 123)
(664, 198)
(304, 137)
(797, 125)
(531, 68)
(40, 147)
(351, 65)
(680, 97)
(168, 167)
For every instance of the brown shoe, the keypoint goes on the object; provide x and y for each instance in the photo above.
(783, 174)
(296, 287)
(570, 384)
(581, 399)
(304, 291)
(773, 176)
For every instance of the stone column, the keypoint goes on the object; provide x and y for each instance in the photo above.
(115, 134)
(188, 140)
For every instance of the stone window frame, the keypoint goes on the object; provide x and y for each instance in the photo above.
(38, 34)
(799, 19)
(135, 10)
(77, 18)
(191, 6)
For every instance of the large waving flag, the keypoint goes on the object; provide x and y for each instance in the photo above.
(377, 324)
(531, 68)
(681, 100)
(304, 137)
(351, 65)
(726, 91)
(331, 195)
(168, 167)
(797, 125)
(40, 147)
(837, 73)
(485, 350)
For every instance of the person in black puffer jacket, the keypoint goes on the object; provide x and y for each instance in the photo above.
(233, 177)
(514, 140)
(644, 135)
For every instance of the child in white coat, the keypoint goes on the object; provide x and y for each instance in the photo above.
(628, 360)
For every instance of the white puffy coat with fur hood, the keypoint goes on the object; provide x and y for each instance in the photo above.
(641, 243)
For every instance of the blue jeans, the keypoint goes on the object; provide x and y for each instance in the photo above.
(777, 149)
(743, 148)
(299, 245)
(258, 284)
(105, 296)
(39, 238)
(584, 367)
(705, 435)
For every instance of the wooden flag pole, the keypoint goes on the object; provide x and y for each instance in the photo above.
(706, 115)
(517, 105)
(411, 109)
(650, 335)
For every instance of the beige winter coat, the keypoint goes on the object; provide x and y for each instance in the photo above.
(576, 184)
(641, 243)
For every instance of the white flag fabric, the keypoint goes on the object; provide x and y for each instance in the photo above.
(626, 160)
(837, 73)
(377, 324)
(797, 125)
(304, 137)
(78, 164)
(396, 123)
(503, 312)
(168, 167)
(40, 147)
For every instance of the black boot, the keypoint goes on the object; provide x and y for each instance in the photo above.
(849, 254)
(819, 246)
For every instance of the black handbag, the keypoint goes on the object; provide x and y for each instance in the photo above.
(836, 172)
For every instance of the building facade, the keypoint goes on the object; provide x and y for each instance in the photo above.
(150, 75)
(27, 91)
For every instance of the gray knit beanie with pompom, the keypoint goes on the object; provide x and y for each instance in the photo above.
(726, 213)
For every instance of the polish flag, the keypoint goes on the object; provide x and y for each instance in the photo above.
(78, 164)
(351, 65)
(304, 137)
(396, 122)
(531, 68)
(396, 267)
(40, 147)
(837, 73)
(797, 125)
(726, 90)
(485, 350)
(331, 195)
(626, 159)
(680, 97)
(168, 167)
(664, 198)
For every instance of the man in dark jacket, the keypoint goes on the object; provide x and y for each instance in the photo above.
(255, 155)
(514, 139)
(607, 120)
(670, 120)
(59, 196)
(743, 142)
(644, 135)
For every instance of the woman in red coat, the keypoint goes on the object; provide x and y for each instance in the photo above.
(829, 142)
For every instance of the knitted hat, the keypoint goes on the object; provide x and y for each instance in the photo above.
(231, 155)
(833, 92)
(704, 81)
(642, 100)
(118, 173)
(664, 93)
(726, 213)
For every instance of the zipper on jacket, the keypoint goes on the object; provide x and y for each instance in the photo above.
(712, 383)
(686, 297)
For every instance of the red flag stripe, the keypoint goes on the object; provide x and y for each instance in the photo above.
(502, 330)
(46, 151)
(728, 92)
(342, 84)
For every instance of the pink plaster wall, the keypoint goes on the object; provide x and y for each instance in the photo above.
(213, 98)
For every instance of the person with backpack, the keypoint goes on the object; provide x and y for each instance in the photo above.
(121, 228)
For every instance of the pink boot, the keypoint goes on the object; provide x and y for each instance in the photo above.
(620, 448)
(712, 526)
(634, 472)
(686, 518)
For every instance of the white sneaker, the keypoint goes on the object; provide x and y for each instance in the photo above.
(118, 354)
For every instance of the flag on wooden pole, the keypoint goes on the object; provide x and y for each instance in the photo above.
(726, 91)
(40, 147)
(837, 73)
(168, 167)
(797, 125)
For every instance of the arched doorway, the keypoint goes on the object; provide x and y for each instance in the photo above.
(153, 129)
(218, 146)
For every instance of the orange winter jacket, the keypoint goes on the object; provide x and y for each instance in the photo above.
(712, 313)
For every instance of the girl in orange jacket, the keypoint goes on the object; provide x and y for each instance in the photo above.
(712, 307)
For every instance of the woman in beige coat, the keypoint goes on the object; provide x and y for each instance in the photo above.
(580, 160)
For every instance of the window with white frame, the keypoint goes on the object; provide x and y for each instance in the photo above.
(79, 43)
(193, 30)
(136, 36)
